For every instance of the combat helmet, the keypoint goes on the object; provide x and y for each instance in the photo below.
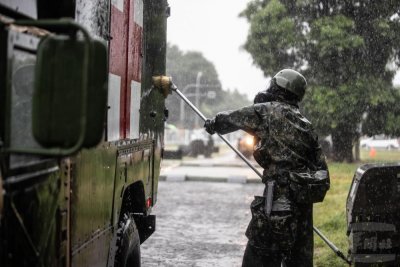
(292, 81)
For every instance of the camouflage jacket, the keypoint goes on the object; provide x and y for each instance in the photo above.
(284, 138)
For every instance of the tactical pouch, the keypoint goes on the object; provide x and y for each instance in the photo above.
(306, 188)
(274, 233)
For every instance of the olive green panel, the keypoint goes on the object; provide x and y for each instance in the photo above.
(121, 184)
(95, 253)
(153, 102)
(97, 96)
(141, 168)
(92, 194)
(37, 207)
(134, 167)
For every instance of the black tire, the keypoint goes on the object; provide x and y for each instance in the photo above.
(128, 244)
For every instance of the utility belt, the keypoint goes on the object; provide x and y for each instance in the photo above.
(304, 186)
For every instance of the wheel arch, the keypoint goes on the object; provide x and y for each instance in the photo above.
(134, 202)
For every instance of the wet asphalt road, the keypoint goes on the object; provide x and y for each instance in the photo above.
(200, 224)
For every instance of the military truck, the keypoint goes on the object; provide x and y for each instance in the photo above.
(81, 130)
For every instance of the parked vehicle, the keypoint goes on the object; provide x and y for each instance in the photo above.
(81, 130)
(380, 142)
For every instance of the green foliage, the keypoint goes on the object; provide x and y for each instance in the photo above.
(344, 48)
(184, 69)
(272, 35)
(383, 116)
(334, 35)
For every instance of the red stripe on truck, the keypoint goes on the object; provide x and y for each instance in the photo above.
(134, 62)
(118, 54)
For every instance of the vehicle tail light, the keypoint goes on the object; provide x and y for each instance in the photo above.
(149, 202)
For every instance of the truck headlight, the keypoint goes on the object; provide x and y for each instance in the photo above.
(249, 141)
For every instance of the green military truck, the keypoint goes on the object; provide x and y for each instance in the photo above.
(81, 130)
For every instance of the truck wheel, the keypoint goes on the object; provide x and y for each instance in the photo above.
(128, 243)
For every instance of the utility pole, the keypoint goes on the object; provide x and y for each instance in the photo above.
(199, 74)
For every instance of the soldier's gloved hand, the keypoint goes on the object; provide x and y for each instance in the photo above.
(209, 126)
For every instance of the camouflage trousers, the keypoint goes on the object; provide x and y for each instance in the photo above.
(299, 252)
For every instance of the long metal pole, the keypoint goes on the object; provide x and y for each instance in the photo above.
(195, 109)
(316, 230)
(331, 245)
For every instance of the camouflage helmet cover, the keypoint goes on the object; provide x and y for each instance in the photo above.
(292, 81)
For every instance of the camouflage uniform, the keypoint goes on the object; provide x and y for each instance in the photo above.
(285, 144)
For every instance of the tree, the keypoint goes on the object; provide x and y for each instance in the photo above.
(184, 68)
(344, 48)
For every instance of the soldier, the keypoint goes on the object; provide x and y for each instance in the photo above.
(295, 172)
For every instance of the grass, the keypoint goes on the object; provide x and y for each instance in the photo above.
(330, 215)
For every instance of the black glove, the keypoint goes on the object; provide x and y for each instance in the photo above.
(209, 126)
